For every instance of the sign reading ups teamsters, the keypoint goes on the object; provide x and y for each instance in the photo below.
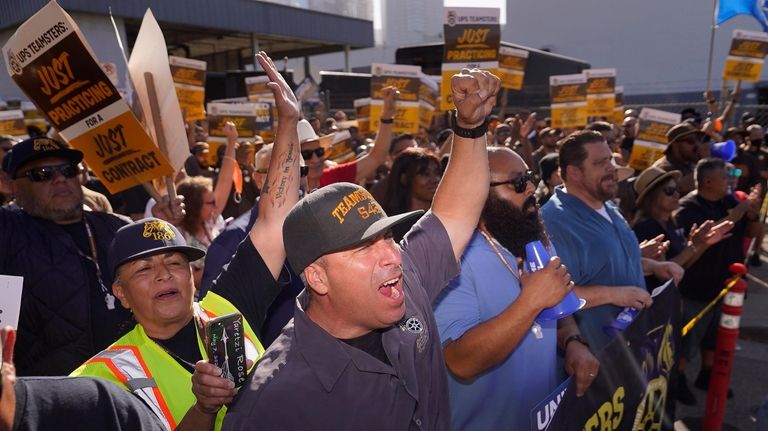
(52, 63)
(651, 140)
(746, 56)
(472, 39)
(407, 79)
(569, 100)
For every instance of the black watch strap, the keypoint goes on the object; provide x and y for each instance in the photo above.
(475, 133)
(575, 337)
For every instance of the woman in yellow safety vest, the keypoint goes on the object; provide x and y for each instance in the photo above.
(162, 359)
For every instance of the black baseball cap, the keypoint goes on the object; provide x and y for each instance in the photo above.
(38, 148)
(333, 218)
(146, 237)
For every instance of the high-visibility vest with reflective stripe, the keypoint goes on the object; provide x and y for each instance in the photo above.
(141, 366)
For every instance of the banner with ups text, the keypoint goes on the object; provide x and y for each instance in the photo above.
(51, 62)
(746, 56)
(630, 391)
(407, 79)
(249, 119)
(568, 94)
(189, 81)
(651, 140)
(601, 92)
(472, 38)
(512, 63)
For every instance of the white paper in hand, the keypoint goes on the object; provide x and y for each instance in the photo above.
(10, 300)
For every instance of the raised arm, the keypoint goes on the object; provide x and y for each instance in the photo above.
(462, 192)
(367, 165)
(224, 183)
(281, 189)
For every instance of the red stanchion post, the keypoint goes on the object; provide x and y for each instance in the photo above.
(727, 336)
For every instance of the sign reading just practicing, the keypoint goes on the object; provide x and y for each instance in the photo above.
(50, 60)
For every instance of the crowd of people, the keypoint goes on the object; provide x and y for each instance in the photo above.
(386, 291)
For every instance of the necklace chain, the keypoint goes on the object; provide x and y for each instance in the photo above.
(496, 250)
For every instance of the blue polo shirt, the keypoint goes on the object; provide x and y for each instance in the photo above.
(595, 251)
(501, 398)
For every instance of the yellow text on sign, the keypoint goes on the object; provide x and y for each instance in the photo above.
(569, 116)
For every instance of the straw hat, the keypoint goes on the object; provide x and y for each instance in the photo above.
(307, 134)
(650, 178)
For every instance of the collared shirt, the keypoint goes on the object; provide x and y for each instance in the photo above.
(502, 397)
(596, 251)
(308, 379)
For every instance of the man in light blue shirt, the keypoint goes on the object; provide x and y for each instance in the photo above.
(594, 240)
(501, 363)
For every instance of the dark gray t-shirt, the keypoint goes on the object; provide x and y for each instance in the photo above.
(308, 379)
(81, 403)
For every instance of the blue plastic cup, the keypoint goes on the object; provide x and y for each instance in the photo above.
(536, 258)
(724, 150)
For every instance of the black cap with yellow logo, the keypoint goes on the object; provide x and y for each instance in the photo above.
(38, 148)
(333, 218)
(147, 237)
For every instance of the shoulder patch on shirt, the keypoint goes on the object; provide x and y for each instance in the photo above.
(416, 326)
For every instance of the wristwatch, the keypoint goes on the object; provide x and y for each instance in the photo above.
(575, 337)
(475, 133)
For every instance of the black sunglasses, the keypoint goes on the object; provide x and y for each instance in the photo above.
(520, 182)
(46, 173)
(669, 191)
(307, 154)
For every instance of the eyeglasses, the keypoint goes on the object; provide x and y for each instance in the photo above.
(520, 182)
(46, 173)
(734, 172)
(307, 154)
(303, 171)
(669, 191)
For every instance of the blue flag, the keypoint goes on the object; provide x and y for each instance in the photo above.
(728, 9)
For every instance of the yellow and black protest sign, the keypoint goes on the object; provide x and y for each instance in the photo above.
(12, 123)
(746, 57)
(407, 79)
(601, 92)
(363, 114)
(256, 88)
(651, 140)
(472, 39)
(52, 63)
(189, 80)
(618, 106)
(512, 63)
(568, 94)
(33, 117)
(249, 119)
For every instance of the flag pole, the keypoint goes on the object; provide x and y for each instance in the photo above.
(711, 45)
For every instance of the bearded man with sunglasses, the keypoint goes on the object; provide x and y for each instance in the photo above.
(486, 315)
(68, 312)
(681, 154)
(313, 150)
